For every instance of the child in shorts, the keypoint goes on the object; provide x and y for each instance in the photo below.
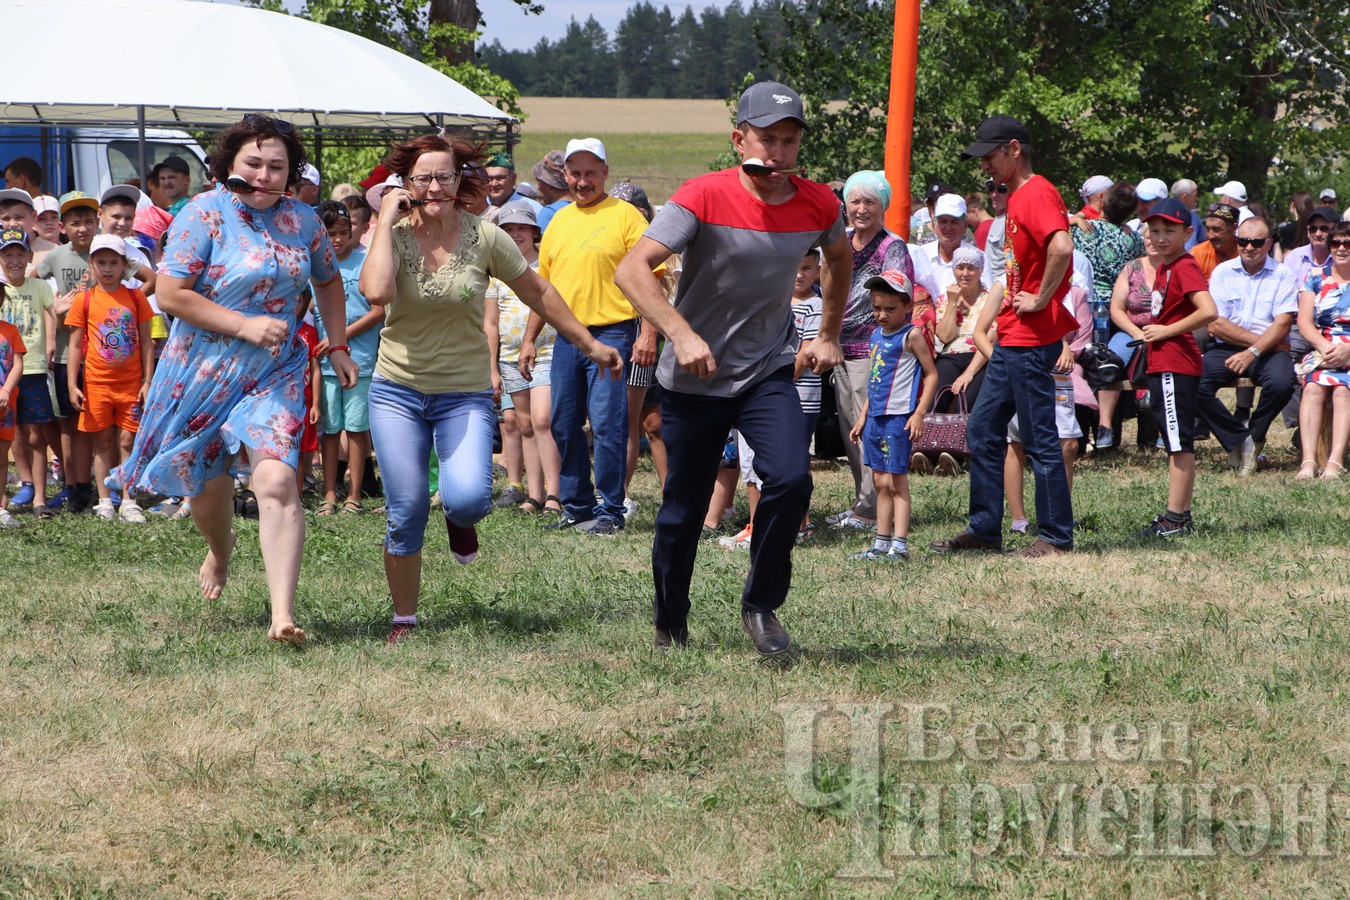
(1181, 304)
(347, 410)
(29, 310)
(111, 336)
(12, 351)
(901, 384)
(806, 312)
(68, 264)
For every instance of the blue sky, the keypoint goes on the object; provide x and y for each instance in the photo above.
(517, 31)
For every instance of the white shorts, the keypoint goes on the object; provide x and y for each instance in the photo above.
(747, 459)
(1066, 420)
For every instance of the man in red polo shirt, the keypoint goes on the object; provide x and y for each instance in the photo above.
(1020, 376)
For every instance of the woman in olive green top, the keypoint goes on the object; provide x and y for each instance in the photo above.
(429, 263)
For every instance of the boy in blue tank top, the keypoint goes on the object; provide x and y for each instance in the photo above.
(900, 389)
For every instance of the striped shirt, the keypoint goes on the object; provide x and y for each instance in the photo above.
(806, 316)
(894, 377)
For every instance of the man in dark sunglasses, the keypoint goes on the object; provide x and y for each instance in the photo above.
(1257, 301)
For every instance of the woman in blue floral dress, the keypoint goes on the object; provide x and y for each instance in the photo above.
(231, 376)
(1324, 321)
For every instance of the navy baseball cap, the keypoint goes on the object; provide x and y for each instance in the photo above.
(993, 133)
(13, 237)
(1171, 209)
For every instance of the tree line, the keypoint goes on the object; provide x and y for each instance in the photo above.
(653, 53)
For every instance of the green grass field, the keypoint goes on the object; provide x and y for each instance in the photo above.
(658, 162)
(528, 742)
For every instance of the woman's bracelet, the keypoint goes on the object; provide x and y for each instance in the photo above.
(343, 347)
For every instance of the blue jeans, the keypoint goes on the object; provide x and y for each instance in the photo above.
(1020, 380)
(580, 391)
(405, 425)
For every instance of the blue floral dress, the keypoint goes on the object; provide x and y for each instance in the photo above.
(1331, 315)
(213, 394)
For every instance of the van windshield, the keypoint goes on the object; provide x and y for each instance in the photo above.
(122, 157)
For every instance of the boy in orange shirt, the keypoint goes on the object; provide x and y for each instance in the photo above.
(112, 338)
(12, 350)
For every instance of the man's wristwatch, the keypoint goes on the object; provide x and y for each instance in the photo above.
(1254, 352)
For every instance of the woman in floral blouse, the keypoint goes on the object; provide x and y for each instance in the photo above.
(429, 262)
(231, 376)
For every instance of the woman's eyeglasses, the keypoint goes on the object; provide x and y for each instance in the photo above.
(444, 179)
(1250, 242)
(280, 126)
(1338, 243)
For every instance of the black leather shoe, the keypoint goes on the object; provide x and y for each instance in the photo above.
(674, 639)
(768, 635)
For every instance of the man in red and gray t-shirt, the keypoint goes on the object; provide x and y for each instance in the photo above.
(729, 353)
(1020, 375)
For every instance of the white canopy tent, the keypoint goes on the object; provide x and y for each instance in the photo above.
(206, 64)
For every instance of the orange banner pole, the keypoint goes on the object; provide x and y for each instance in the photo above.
(900, 113)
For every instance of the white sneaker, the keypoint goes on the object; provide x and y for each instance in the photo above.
(630, 508)
(7, 519)
(741, 540)
(131, 512)
(105, 510)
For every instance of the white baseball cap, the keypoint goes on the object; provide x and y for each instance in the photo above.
(108, 242)
(1327, 194)
(1245, 213)
(588, 145)
(310, 174)
(949, 205)
(46, 203)
(1235, 189)
(1151, 189)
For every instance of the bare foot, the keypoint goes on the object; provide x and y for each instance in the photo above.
(215, 572)
(287, 633)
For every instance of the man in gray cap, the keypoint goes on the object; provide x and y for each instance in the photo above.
(729, 354)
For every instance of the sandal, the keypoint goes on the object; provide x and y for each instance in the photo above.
(352, 507)
(530, 505)
(556, 501)
(1307, 471)
(1331, 474)
(327, 508)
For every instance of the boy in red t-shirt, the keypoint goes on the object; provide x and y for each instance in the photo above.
(1181, 304)
(111, 338)
(12, 350)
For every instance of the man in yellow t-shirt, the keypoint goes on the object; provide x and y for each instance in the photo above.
(580, 251)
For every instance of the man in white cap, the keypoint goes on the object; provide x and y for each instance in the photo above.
(1093, 193)
(729, 356)
(1327, 197)
(307, 191)
(949, 222)
(1234, 193)
(579, 253)
(1149, 192)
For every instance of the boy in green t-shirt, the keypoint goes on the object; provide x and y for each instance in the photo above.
(29, 310)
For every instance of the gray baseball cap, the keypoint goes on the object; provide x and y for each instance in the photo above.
(517, 214)
(768, 102)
